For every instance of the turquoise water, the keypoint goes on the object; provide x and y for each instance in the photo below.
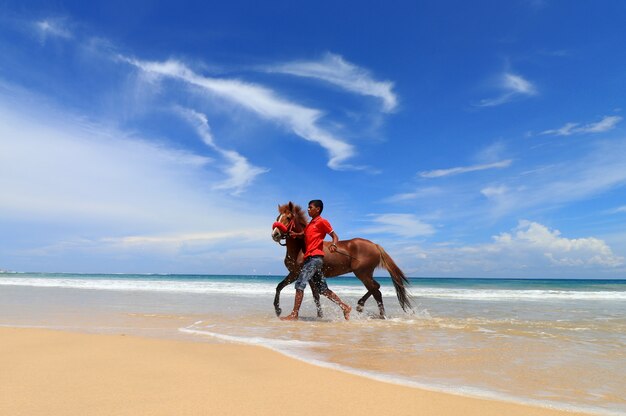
(558, 343)
(431, 287)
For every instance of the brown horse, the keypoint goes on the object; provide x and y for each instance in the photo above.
(357, 255)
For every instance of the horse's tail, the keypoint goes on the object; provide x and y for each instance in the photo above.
(398, 278)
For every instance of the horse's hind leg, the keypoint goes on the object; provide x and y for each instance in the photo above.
(373, 288)
(379, 299)
(287, 280)
(361, 303)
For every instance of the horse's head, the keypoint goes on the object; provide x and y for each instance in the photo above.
(290, 217)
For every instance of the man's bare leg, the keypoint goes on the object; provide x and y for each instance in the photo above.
(344, 306)
(293, 316)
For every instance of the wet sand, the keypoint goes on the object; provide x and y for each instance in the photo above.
(61, 373)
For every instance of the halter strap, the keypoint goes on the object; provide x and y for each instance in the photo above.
(286, 230)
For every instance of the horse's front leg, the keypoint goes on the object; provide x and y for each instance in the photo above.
(291, 277)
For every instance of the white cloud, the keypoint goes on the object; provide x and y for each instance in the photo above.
(52, 27)
(529, 250)
(518, 85)
(302, 121)
(335, 70)
(512, 86)
(494, 191)
(240, 172)
(458, 170)
(404, 225)
(536, 238)
(566, 130)
(607, 123)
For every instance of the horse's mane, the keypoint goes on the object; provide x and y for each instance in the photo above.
(297, 211)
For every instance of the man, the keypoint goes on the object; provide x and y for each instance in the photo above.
(314, 234)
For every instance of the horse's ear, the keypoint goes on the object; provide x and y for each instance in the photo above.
(290, 206)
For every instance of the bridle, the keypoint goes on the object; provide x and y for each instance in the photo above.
(285, 230)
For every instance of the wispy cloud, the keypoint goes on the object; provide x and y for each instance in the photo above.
(426, 192)
(607, 123)
(261, 100)
(513, 86)
(404, 225)
(240, 172)
(174, 241)
(617, 210)
(52, 28)
(459, 170)
(494, 191)
(335, 70)
(601, 169)
(302, 121)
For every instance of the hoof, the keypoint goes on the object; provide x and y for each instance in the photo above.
(320, 314)
(359, 308)
(278, 311)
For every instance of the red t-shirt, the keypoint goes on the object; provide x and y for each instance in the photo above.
(314, 234)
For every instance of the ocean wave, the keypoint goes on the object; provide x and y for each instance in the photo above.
(256, 288)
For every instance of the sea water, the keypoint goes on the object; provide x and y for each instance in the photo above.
(555, 343)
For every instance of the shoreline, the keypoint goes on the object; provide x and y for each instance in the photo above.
(466, 392)
(119, 374)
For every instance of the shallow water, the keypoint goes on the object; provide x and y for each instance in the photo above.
(554, 343)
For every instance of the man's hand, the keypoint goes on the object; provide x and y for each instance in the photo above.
(333, 245)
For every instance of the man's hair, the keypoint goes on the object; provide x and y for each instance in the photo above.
(317, 203)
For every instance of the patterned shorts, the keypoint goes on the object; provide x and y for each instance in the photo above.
(312, 270)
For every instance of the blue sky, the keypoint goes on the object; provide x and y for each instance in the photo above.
(471, 140)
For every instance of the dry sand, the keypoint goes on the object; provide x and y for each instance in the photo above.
(59, 373)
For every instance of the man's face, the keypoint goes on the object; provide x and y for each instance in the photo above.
(313, 211)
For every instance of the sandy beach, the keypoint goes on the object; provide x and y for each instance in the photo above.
(61, 373)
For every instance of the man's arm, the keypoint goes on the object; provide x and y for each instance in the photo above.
(333, 245)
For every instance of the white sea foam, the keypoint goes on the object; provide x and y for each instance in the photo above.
(247, 288)
(298, 350)
(276, 344)
(172, 286)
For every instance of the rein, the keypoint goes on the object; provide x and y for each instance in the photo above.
(346, 254)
